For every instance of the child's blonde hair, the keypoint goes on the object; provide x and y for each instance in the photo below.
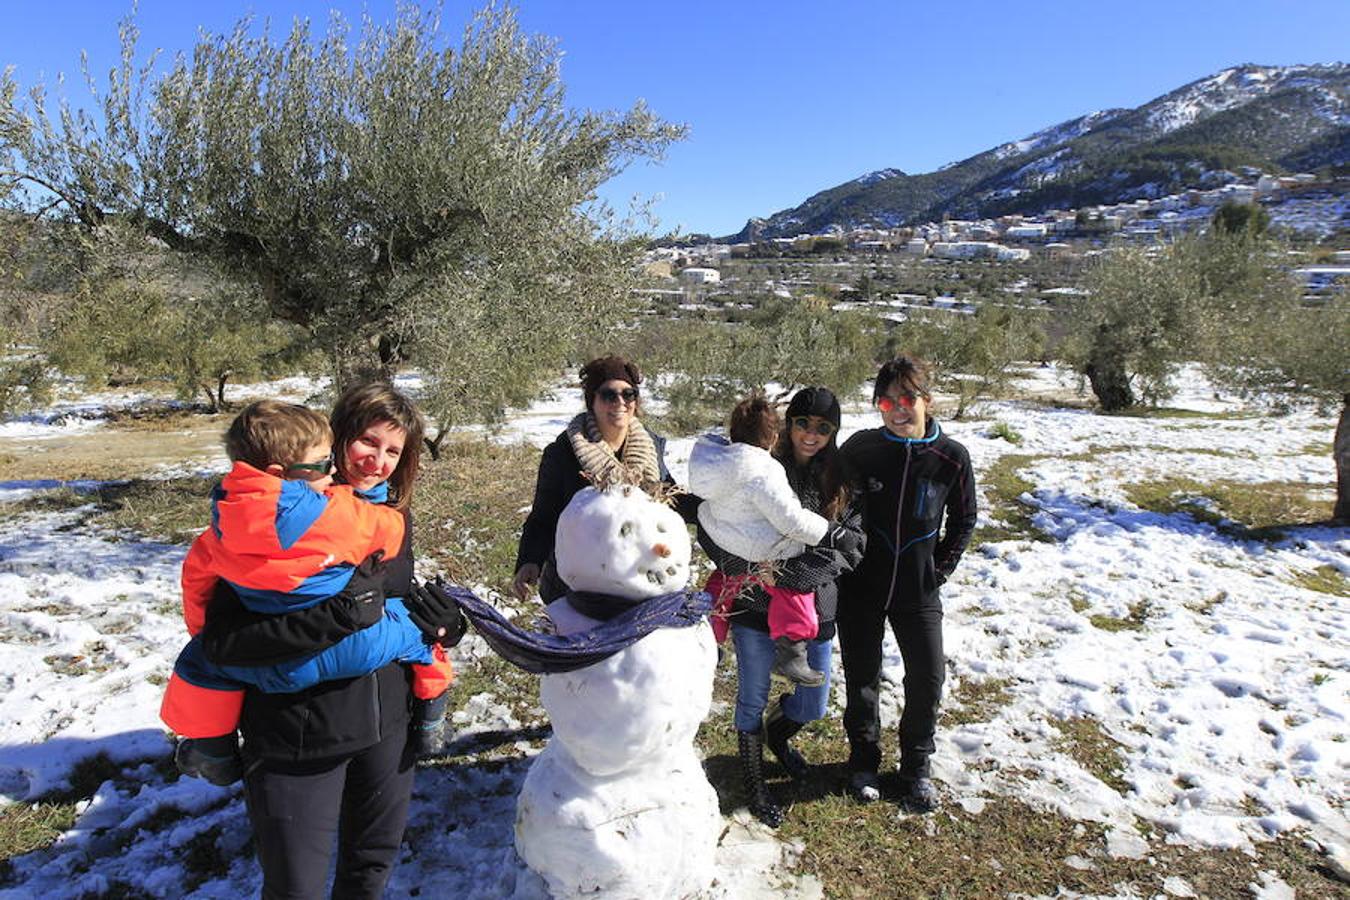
(270, 432)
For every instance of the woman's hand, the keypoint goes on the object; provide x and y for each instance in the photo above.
(435, 614)
(527, 576)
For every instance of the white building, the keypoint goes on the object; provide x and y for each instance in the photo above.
(700, 275)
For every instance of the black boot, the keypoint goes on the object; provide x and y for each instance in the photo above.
(762, 807)
(789, 660)
(426, 731)
(778, 730)
(215, 759)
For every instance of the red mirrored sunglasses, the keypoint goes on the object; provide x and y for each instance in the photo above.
(888, 403)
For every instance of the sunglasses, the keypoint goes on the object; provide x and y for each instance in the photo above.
(905, 399)
(323, 467)
(824, 429)
(609, 395)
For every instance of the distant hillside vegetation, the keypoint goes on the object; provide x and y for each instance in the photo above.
(1277, 119)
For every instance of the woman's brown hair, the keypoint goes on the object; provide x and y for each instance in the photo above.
(367, 404)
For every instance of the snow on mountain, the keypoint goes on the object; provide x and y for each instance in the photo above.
(1056, 134)
(1234, 87)
(879, 175)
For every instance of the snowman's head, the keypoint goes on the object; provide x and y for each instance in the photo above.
(620, 542)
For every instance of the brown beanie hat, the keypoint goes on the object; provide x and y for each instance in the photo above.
(607, 368)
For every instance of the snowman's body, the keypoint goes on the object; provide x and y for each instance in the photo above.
(617, 804)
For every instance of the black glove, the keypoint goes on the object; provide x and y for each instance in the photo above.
(361, 603)
(435, 614)
(845, 540)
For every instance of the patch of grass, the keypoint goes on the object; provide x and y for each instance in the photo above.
(513, 687)
(1206, 606)
(1172, 412)
(1316, 448)
(173, 510)
(1138, 614)
(1324, 579)
(467, 509)
(1006, 432)
(1250, 511)
(1088, 744)
(973, 700)
(203, 859)
(1003, 487)
(25, 827)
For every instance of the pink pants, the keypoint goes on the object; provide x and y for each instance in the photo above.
(792, 614)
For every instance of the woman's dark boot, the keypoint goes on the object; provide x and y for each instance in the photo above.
(778, 730)
(762, 807)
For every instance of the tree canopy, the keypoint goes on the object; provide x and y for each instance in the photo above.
(401, 197)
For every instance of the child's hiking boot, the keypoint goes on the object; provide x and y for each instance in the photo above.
(426, 734)
(215, 759)
(789, 660)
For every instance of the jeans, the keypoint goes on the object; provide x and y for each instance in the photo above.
(754, 661)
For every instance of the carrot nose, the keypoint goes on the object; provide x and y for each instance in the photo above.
(661, 550)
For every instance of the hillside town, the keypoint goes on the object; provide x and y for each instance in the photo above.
(1303, 205)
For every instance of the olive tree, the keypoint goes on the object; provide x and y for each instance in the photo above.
(1131, 329)
(786, 344)
(1261, 338)
(403, 197)
(973, 356)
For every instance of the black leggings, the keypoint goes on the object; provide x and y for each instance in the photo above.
(297, 808)
(918, 630)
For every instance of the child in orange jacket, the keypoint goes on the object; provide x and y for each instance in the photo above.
(285, 538)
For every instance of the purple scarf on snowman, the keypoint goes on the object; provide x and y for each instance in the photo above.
(543, 654)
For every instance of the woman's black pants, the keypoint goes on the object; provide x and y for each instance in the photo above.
(298, 809)
(918, 630)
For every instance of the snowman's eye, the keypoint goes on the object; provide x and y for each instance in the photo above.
(625, 529)
(661, 527)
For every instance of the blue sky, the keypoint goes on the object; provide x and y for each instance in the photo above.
(787, 98)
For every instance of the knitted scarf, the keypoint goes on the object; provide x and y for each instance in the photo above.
(636, 460)
(542, 653)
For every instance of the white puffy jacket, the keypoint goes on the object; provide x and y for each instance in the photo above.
(748, 507)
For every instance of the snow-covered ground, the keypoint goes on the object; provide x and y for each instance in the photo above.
(1230, 700)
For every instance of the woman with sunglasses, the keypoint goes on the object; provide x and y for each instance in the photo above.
(604, 443)
(917, 490)
(337, 759)
(807, 451)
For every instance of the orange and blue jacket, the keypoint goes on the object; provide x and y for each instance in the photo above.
(283, 546)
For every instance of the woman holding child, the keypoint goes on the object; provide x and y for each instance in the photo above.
(806, 451)
(604, 443)
(336, 759)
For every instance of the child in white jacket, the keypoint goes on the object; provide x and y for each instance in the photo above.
(750, 511)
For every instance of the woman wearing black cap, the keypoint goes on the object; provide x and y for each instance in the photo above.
(806, 449)
(604, 443)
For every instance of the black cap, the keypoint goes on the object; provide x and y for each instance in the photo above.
(815, 401)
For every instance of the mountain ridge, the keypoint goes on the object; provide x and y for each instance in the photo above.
(1273, 118)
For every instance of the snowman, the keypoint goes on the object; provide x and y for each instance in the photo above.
(617, 804)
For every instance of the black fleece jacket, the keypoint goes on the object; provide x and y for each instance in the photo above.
(919, 508)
